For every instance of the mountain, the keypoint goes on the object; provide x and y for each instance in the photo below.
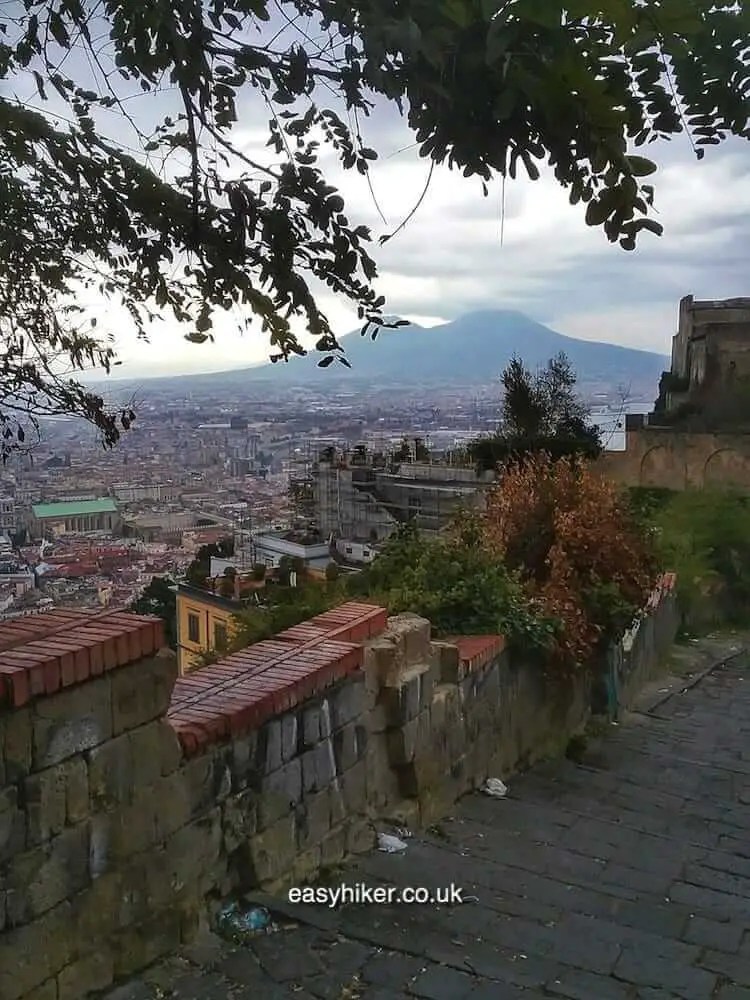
(473, 349)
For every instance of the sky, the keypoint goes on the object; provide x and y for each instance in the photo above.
(528, 249)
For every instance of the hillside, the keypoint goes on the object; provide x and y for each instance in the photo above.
(472, 349)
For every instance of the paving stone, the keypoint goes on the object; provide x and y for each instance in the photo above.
(580, 985)
(713, 934)
(441, 983)
(393, 970)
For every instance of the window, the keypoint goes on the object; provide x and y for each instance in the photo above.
(220, 636)
(194, 628)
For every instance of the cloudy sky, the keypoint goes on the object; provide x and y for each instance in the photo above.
(457, 254)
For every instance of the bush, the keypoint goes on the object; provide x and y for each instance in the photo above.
(454, 583)
(570, 535)
(704, 536)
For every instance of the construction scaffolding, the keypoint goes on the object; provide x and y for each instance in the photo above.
(362, 493)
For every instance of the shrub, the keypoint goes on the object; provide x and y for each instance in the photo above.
(570, 535)
(454, 583)
(704, 536)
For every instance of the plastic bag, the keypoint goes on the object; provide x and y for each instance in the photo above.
(495, 788)
(390, 844)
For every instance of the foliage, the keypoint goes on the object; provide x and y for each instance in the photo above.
(646, 502)
(704, 536)
(456, 584)
(570, 535)
(197, 572)
(182, 220)
(332, 572)
(286, 607)
(540, 412)
(160, 600)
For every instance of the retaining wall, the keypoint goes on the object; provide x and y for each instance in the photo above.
(130, 800)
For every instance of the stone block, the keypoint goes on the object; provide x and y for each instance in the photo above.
(345, 747)
(415, 634)
(147, 744)
(289, 736)
(171, 802)
(86, 975)
(208, 780)
(142, 692)
(450, 668)
(12, 825)
(316, 723)
(105, 907)
(271, 742)
(240, 819)
(382, 781)
(360, 837)
(54, 797)
(35, 953)
(194, 859)
(139, 946)
(353, 788)
(40, 879)
(111, 776)
(318, 767)
(382, 661)
(71, 722)
(273, 851)
(47, 991)
(402, 702)
(128, 830)
(402, 743)
(305, 869)
(313, 819)
(348, 701)
(428, 680)
(244, 760)
(15, 745)
(333, 848)
(279, 793)
(338, 806)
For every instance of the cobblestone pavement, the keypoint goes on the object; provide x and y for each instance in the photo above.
(626, 877)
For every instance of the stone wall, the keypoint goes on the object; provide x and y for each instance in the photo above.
(678, 460)
(131, 801)
(640, 657)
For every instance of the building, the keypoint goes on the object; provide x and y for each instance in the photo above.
(360, 499)
(698, 434)
(8, 515)
(75, 517)
(151, 493)
(270, 547)
(205, 621)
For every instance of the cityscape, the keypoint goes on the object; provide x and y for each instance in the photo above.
(88, 527)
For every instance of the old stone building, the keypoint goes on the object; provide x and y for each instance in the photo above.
(699, 431)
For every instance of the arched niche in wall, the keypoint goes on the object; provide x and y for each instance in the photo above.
(660, 466)
(726, 467)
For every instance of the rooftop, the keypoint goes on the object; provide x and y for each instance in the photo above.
(74, 508)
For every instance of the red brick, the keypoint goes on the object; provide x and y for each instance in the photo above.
(477, 650)
(14, 685)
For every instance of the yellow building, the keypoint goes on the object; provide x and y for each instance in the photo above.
(205, 621)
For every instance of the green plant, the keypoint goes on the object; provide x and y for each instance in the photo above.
(704, 536)
(454, 583)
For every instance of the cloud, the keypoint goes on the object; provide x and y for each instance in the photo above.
(524, 246)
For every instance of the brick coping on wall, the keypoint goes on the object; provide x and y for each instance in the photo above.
(44, 653)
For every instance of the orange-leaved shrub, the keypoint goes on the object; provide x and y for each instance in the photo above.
(582, 557)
